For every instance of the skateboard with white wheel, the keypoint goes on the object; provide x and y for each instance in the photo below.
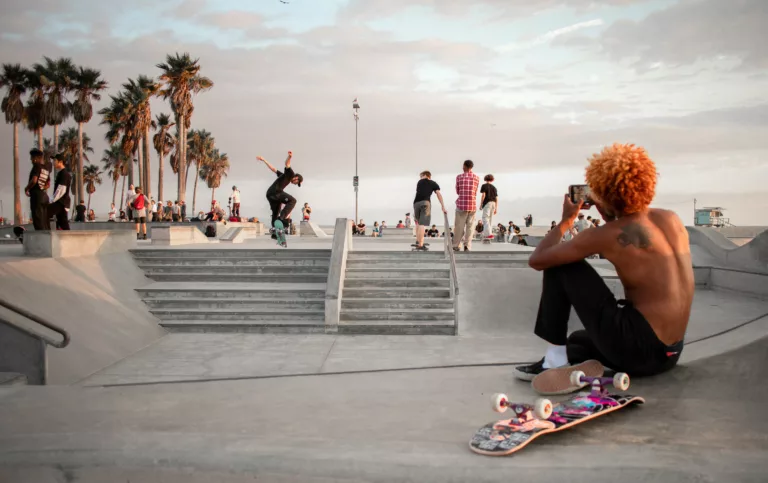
(528, 422)
(280, 234)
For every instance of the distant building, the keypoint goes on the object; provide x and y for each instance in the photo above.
(711, 216)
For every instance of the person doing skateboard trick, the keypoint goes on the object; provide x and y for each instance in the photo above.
(277, 197)
(642, 334)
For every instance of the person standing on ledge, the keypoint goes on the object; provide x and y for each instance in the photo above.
(235, 198)
(641, 334)
(489, 205)
(37, 189)
(62, 202)
(466, 206)
(277, 197)
(422, 205)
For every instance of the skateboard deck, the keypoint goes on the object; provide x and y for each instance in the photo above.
(280, 233)
(507, 436)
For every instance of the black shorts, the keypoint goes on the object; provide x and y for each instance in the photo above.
(140, 220)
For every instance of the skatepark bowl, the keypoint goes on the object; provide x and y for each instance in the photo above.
(340, 358)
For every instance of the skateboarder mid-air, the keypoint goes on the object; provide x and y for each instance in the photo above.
(277, 197)
(641, 334)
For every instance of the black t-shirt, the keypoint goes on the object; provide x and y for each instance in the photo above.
(64, 178)
(490, 193)
(43, 173)
(80, 209)
(283, 180)
(424, 189)
(433, 232)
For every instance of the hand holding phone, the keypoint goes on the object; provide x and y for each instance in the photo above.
(579, 193)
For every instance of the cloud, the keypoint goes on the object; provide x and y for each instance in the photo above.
(552, 35)
(693, 30)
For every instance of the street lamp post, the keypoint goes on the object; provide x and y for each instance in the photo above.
(356, 180)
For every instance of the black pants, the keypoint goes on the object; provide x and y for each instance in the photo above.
(616, 333)
(59, 211)
(281, 199)
(38, 203)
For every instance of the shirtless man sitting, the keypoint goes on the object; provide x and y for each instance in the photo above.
(642, 334)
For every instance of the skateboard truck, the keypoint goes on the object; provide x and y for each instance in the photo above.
(599, 384)
(542, 408)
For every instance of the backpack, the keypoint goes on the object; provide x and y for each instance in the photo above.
(210, 231)
(138, 203)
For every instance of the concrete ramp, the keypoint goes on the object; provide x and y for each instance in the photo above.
(725, 253)
(179, 235)
(309, 229)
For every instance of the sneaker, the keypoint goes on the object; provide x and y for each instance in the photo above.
(552, 382)
(274, 236)
(527, 373)
(490, 237)
(466, 249)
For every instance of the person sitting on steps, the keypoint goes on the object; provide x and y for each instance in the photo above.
(641, 334)
(277, 197)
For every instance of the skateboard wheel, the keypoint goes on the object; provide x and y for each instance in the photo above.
(576, 378)
(543, 408)
(621, 381)
(499, 402)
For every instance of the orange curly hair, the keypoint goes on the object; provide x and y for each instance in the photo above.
(623, 177)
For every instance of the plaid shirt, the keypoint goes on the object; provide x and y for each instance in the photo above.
(466, 188)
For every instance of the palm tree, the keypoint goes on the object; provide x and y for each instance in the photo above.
(200, 145)
(48, 151)
(87, 84)
(141, 91)
(56, 77)
(70, 145)
(119, 116)
(164, 143)
(14, 79)
(114, 165)
(216, 169)
(181, 80)
(35, 109)
(91, 177)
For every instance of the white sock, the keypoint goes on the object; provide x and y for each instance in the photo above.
(555, 357)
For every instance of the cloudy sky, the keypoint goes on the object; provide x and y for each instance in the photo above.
(528, 92)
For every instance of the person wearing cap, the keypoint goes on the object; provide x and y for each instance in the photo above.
(235, 198)
(62, 202)
(276, 196)
(37, 189)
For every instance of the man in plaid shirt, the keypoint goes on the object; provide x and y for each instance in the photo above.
(466, 206)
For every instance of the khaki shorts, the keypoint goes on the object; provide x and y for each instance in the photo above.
(422, 212)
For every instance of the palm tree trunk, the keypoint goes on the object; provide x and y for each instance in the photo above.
(80, 158)
(17, 214)
(147, 165)
(114, 190)
(39, 138)
(122, 195)
(88, 208)
(182, 158)
(55, 138)
(160, 172)
(194, 193)
(130, 168)
(213, 197)
(140, 157)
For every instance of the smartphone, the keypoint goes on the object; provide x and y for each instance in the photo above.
(579, 192)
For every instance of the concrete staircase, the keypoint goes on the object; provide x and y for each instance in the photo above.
(397, 293)
(261, 291)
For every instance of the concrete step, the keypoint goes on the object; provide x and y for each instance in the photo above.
(396, 282)
(409, 255)
(355, 292)
(397, 263)
(358, 273)
(397, 303)
(396, 327)
(12, 379)
(244, 304)
(234, 269)
(232, 262)
(492, 263)
(397, 314)
(220, 293)
(269, 278)
(236, 314)
(142, 253)
(247, 326)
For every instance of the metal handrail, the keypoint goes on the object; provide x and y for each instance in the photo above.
(454, 275)
(64, 334)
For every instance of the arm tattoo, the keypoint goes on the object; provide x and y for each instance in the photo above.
(634, 234)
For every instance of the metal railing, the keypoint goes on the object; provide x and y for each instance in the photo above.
(24, 313)
(454, 276)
